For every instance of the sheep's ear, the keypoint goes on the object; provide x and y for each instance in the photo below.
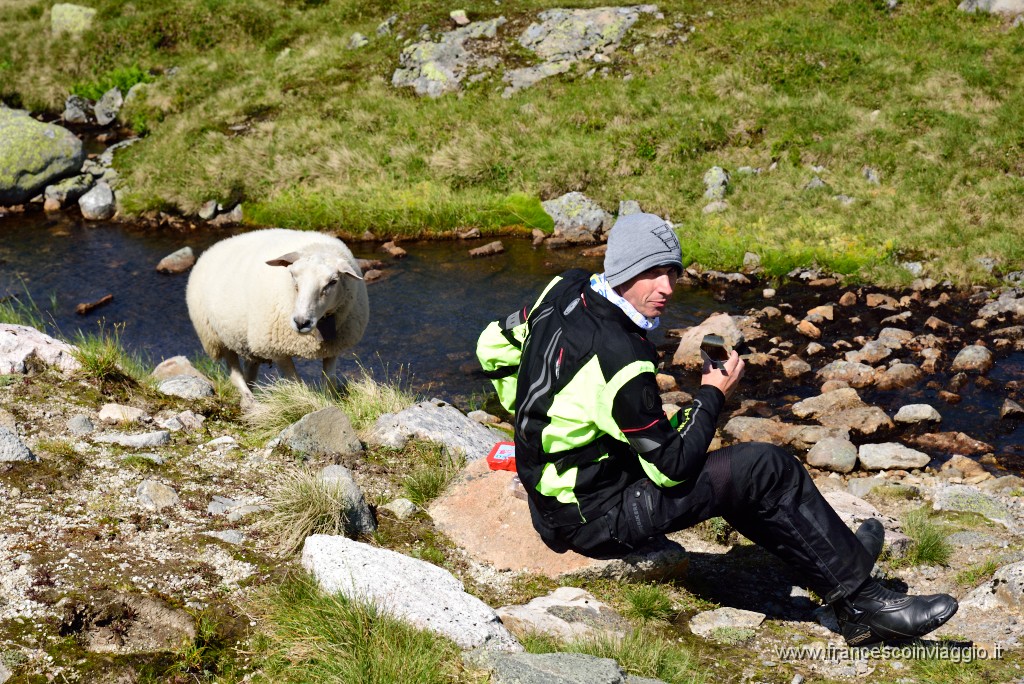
(285, 259)
(347, 269)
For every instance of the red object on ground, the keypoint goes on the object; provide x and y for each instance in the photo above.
(502, 456)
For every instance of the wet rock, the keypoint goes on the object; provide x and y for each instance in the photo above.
(418, 592)
(890, 455)
(403, 509)
(967, 499)
(854, 374)
(34, 155)
(894, 338)
(155, 496)
(141, 441)
(482, 501)
(186, 387)
(177, 262)
(438, 422)
(489, 249)
(808, 329)
(794, 367)
(1007, 304)
(917, 413)
(21, 345)
(1011, 409)
(324, 433)
(951, 443)
(393, 249)
(973, 359)
(837, 455)
(65, 192)
(871, 353)
(931, 358)
(108, 106)
(875, 299)
(118, 414)
(898, 376)
(97, 204)
(848, 299)
(358, 517)
(12, 449)
(574, 210)
(567, 613)
(712, 623)
(432, 69)
(76, 109)
(73, 20)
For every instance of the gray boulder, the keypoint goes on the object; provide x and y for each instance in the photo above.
(359, 518)
(34, 155)
(575, 210)
(716, 183)
(1004, 591)
(67, 191)
(70, 19)
(425, 595)
(186, 387)
(438, 422)
(327, 432)
(967, 499)
(155, 496)
(710, 622)
(76, 109)
(13, 449)
(917, 413)
(1005, 7)
(141, 441)
(551, 668)
(567, 613)
(177, 262)
(838, 455)
(973, 358)
(564, 34)
(98, 204)
(20, 345)
(435, 68)
(108, 106)
(890, 455)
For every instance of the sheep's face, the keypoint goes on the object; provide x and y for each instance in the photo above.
(319, 289)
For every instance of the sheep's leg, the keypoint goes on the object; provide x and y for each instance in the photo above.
(238, 377)
(252, 369)
(286, 367)
(331, 382)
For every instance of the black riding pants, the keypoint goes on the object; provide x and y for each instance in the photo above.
(762, 491)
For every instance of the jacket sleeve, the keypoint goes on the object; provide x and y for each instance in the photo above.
(670, 451)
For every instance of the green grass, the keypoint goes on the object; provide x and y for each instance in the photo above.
(981, 572)
(929, 545)
(280, 404)
(122, 78)
(643, 653)
(18, 310)
(322, 638)
(105, 360)
(303, 504)
(647, 602)
(365, 399)
(431, 469)
(928, 96)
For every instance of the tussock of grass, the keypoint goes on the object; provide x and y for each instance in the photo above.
(647, 602)
(432, 469)
(282, 403)
(303, 504)
(323, 638)
(976, 574)
(643, 653)
(16, 310)
(104, 360)
(929, 545)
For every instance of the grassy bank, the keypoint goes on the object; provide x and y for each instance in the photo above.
(269, 106)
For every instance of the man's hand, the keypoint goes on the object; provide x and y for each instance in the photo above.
(726, 379)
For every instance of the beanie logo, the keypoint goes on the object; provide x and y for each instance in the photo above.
(666, 235)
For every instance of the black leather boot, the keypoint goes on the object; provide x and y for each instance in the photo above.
(874, 614)
(871, 534)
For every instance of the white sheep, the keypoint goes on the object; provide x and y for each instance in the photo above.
(244, 305)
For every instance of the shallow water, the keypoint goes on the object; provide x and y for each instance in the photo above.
(426, 312)
(429, 308)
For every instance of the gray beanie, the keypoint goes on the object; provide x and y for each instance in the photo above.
(639, 242)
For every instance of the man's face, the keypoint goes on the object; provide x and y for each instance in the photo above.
(649, 291)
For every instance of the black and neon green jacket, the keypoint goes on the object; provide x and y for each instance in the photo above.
(589, 419)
